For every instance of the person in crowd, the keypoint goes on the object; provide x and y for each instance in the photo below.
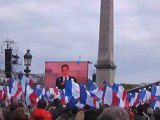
(90, 115)
(74, 112)
(66, 115)
(156, 114)
(114, 113)
(150, 114)
(21, 104)
(6, 114)
(146, 105)
(3, 103)
(80, 115)
(60, 82)
(1, 115)
(5, 111)
(101, 108)
(40, 113)
(13, 105)
(30, 109)
(55, 108)
(140, 115)
(20, 113)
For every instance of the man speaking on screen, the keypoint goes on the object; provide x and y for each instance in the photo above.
(60, 82)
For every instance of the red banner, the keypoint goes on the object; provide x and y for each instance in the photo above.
(78, 70)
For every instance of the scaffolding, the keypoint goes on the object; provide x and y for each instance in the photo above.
(16, 60)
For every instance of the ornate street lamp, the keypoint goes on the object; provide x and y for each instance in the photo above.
(27, 62)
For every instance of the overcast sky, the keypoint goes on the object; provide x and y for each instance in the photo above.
(63, 30)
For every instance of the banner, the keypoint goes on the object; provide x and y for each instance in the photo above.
(78, 70)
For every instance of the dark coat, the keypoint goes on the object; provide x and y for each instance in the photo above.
(156, 114)
(140, 117)
(60, 84)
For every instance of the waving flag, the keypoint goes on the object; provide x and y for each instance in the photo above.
(55, 92)
(83, 94)
(30, 96)
(155, 102)
(51, 93)
(108, 95)
(64, 99)
(155, 91)
(75, 102)
(72, 89)
(33, 98)
(14, 90)
(79, 95)
(144, 95)
(120, 96)
(38, 90)
(91, 101)
(124, 104)
(119, 90)
(24, 81)
(86, 98)
(97, 91)
(28, 92)
(135, 99)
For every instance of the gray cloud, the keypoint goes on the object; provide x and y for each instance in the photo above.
(64, 30)
(137, 42)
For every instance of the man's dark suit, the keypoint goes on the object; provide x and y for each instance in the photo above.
(60, 84)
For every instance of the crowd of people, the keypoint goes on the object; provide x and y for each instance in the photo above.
(54, 110)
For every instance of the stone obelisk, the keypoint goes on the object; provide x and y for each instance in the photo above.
(105, 65)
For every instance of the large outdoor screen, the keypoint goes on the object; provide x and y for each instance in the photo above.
(78, 70)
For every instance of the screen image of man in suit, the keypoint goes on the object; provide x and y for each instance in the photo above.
(60, 82)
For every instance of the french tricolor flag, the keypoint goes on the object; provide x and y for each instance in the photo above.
(55, 92)
(124, 104)
(97, 91)
(119, 96)
(72, 89)
(129, 97)
(155, 91)
(14, 90)
(24, 81)
(38, 91)
(155, 102)
(108, 95)
(144, 95)
(119, 91)
(30, 96)
(33, 98)
(64, 99)
(49, 94)
(75, 102)
(86, 98)
(134, 99)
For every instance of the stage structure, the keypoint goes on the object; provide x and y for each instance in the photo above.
(11, 58)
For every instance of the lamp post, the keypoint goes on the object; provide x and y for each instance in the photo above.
(27, 62)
